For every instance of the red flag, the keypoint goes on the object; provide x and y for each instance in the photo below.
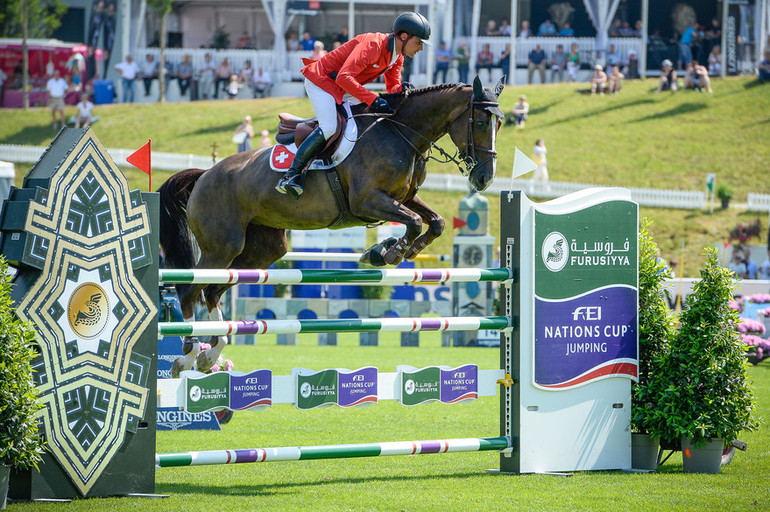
(142, 161)
(458, 223)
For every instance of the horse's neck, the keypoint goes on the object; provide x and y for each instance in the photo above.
(430, 114)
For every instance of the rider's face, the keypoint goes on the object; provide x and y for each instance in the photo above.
(412, 46)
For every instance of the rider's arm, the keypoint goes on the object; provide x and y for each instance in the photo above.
(393, 75)
(363, 55)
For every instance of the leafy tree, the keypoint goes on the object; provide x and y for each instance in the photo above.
(162, 8)
(43, 17)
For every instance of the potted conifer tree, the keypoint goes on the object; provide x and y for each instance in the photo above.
(703, 397)
(656, 326)
(20, 442)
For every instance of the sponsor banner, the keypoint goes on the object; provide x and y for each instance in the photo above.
(435, 383)
(460, 384)
(169, 350)
(420, 386)
(173, 418)
(208, 392)
(316, 389)
(357, 387)
(586, 338)
(252, 390)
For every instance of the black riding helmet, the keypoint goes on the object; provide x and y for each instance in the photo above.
(414, 24)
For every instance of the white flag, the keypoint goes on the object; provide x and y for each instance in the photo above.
(522, 164)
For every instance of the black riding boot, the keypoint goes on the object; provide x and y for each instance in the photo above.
(293, 181)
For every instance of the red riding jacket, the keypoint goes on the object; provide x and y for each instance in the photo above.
(357, 62)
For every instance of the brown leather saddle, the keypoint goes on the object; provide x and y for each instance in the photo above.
(293, 129)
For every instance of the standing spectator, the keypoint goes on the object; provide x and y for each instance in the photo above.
(184, 74)
(613, 59)
(462, 55)
(505, 28)
(262, 83)
(598, 80)
(751, 267)
(85, 112)
(244, 42)
(615, 80)
(764, 68)
(485, 60)
(541, 173)
(128, 72)
(443, 58)
(265, 141)
(223, 73)
(633, 65)
(307, 41)
(638, 28)
(566, 31)
(525, 32)
(292, 43)
(546, 29)
(505, 60)
(573, 62)
(520, 112)
(206, 81)
(558, 64)
(536, 60)
(491, 29)
(626, 30)
(715, 60)
(244, 133)
(233, 87)
(685, 46)
(318, 50)
(57, 88)
(615, 28)
(737, 266)
(343, 36)
(764, 268)
(668, 79)
(149, 72)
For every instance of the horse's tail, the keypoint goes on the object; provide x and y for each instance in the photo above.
(176, 240)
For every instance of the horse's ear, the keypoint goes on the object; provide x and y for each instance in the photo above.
(478, 89)
(500, 86)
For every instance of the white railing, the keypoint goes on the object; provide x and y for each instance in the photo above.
(758, 202)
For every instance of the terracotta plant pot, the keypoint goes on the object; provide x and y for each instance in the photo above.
(702, 459)
(644, 452)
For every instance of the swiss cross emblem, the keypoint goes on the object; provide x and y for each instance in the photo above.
(282, 156)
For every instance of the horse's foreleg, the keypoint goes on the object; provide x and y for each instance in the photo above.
(383, 207)
(208, 358)
(435, 226)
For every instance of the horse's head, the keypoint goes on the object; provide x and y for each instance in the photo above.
(474, 132)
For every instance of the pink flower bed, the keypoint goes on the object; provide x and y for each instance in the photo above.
(749, 326)
(760, 346)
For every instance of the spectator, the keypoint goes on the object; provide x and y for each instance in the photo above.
(244, 42)
(505, 28)
(764, 68)
(598, 80)
(616, 27)
(613, 59)
(714, 31)
(207, 76)
(318, 50)
(715, 60)
(491, 29)
(307, 41)
(233, 87)
(668, 78)
(536, 61)
(443, 58)
(57, 88)
(292, 43)
(558, 64)
(462, 55)
(525, 32)
(638, 29)
(546, 29)
(626, 30)
(223, 73)
(262, 83)
(149, 72)
(764, 268)
(633, 65)
(541, 173)
(737, 265)
(343, 36)
(685, 46)
(485, 60)
(3, 78)
(244, 133)
(247, 73)
(85, 112)
(128, 72)
(519, 113)
(265, 141)
(168, 72)
(615, 80)
(505, 60)
(184, 74)
(566, 30)
(751, 267)
(697, 77)
(573, 62)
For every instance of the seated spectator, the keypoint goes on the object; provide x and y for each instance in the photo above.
(264, 141)
(751, 267)
(491, 29)
(307, 41)
(149, 72)
(566, 31)
(626, 30)
(573, 62)
(525, 32)
(737, 265)
(715, 61)
(318, 50)
(546, 29)
(519, 113)
(638, 29)
(485, 60)
(616, 27)
(184, 74)
(262, 83)
(462, 55)
(443, 58)
(292, 43)
(764, 68)
(233, 87)
(247, 73)
(613, 58)
(85, 112)
(168, 73)
(633, 65)
(505, 60)
(615, 80)
(244, 42)
(696, 77)
(598, 80)
(558, 64)
(505, 28)
(223, 73)
(207, 76)
(668, 79)
(536, 61)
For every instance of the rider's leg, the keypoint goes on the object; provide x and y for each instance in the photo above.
(325, 108)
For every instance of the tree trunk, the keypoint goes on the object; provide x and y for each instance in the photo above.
(25, 53)
(162, 84)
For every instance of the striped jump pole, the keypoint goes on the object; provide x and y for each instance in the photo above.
(317, 276)
(353, 256)
(407, 324)
(334, 451)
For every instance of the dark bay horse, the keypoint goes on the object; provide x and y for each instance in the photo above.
(239, 220)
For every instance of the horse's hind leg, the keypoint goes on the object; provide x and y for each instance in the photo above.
(435, 226)
(378, 205)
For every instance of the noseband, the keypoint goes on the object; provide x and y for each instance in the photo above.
(469, 153)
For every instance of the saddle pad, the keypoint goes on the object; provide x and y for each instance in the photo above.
(281, 156)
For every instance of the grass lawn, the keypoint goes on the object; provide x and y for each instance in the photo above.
(455, 482)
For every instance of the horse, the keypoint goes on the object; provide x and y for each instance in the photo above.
(238, 219)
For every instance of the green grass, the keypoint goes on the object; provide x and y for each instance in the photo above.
(633, 139)
(455, 482)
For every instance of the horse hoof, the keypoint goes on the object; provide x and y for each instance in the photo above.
(392, 258)
(178, 367)
(204, 361)
(374, 256)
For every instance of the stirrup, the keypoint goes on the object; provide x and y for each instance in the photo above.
(282, 184)
(295, 186)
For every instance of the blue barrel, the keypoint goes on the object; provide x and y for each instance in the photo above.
(104, 92)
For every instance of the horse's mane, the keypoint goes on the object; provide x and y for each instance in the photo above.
(422, 90)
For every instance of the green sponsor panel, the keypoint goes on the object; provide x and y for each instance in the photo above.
(585, 250)
(207, 393)
(421, 385)
(317, 389)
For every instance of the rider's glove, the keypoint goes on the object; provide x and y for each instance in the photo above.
(381, 106)
(406, 86)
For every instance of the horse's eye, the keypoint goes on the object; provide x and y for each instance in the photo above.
(481, 123)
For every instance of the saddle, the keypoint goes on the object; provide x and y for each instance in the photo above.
(294, 129)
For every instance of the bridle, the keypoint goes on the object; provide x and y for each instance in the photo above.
(469, 153)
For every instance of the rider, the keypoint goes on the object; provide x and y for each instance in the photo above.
(344, 70)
